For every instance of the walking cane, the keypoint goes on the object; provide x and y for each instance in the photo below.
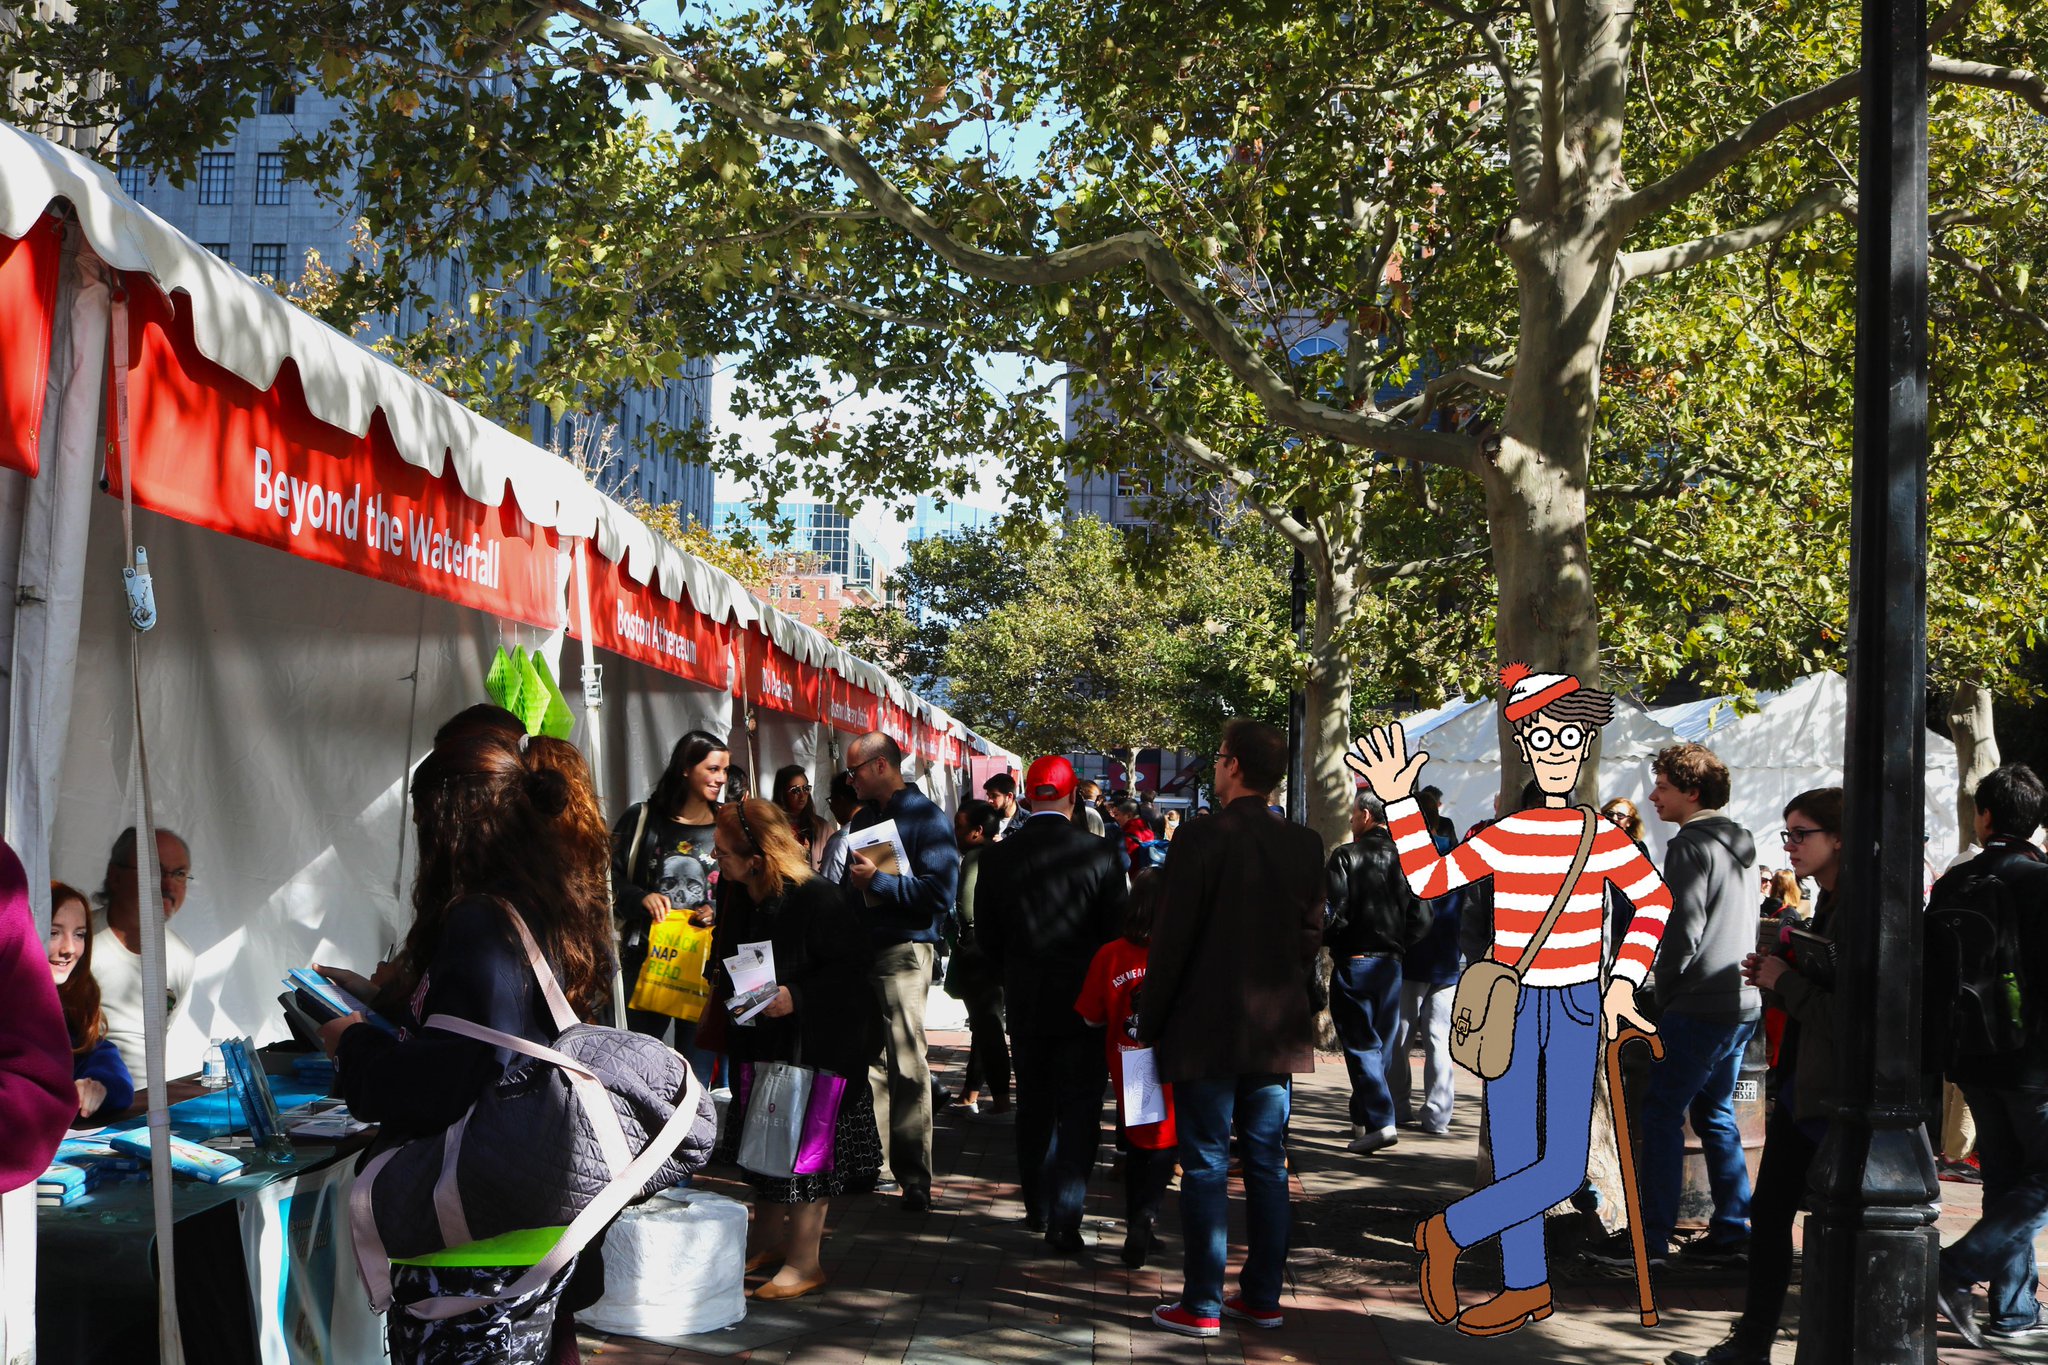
(1624, 1147)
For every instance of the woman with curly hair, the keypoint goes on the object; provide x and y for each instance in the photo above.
(504, 823)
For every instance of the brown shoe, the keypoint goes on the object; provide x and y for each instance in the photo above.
(1506, 1311)
(1439, 1264)
(772, 1290)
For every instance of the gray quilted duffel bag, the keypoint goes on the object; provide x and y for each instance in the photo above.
(568, 1136)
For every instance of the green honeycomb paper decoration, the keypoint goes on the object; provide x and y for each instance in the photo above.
(521, 683)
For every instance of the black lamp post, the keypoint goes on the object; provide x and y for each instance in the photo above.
(1872, 1252)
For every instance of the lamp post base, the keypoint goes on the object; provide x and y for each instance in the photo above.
(1872, 1254)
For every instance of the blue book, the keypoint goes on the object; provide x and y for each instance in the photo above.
(332, 999)
(187, 1158)
(63, 1182)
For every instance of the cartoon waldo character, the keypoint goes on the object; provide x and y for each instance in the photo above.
(1540, 1109)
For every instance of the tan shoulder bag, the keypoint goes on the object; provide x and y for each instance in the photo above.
(1483, 1009)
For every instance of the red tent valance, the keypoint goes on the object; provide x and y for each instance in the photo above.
(215, 451)
(28, 307)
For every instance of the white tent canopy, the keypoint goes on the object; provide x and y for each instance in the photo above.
(1793, 743)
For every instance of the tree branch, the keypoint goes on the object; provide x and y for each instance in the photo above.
(1416, 568)
(2027, 85)
(1696, 174)
(2004, 302)
(1143, 248)
(1524, 122)
(1670, 486)
(863, 310)
(1550, 100)
(1636, 265)
(1200, 453)
(1483, 374)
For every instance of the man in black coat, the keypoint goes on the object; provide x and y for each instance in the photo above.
(2008, 1092)
(1372, 919)
(1047, 897)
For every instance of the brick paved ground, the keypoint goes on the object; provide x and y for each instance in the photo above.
(965, 1284)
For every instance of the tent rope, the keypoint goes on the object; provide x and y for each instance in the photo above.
(140, 596)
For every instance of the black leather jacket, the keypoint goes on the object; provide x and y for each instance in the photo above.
(1371, 907)
(1045, 899)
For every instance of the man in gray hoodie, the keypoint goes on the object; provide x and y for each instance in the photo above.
(1708, 1012)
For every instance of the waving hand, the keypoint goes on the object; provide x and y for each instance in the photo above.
(1381, 757)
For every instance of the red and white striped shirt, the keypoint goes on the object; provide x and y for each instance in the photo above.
(1527, 855)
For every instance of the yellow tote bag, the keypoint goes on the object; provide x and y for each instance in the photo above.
(672, 979)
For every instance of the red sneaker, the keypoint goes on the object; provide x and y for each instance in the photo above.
(1175, 1318)
(1236, 1307)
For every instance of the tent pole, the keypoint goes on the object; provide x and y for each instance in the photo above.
(593, 750)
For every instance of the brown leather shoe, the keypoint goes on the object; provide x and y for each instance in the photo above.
(1506, 1311)
(1439, 1264)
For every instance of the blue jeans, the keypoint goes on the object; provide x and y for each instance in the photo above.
(1203, 1113)
(1365, 1009)
(1540, 1112)
(1702, 1058)
(2012, 1145)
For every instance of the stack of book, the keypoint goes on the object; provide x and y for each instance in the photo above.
(60, 1185)
(97, 1157)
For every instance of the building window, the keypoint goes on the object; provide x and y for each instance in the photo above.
(133, 176)
(1132, 486)
(217, 177)
(270, 178)
(267, 258)
(277, 99)
(219, 249)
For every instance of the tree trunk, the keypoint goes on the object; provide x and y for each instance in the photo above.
(1536, 483)
(1328, 730)
(1970, 726)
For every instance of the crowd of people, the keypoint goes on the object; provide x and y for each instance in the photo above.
(1110, 949)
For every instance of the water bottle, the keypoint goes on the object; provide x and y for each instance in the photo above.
(215, 1074)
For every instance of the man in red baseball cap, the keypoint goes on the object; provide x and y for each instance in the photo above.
(1050, 779)
(1046, 898)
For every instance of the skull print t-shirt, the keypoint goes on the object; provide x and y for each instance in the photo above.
(676, 860)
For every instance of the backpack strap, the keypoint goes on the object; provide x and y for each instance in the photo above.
(558, 1004)
(1564, 895)
(634, 851)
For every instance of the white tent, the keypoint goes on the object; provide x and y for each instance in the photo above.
(1794, 742)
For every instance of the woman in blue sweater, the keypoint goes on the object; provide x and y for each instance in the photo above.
(104, 1085)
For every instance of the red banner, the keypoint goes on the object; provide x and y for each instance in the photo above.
(779, 681)
(893, 721)
(852, 709)
(215, 451)
(28, 307)
(638, 621)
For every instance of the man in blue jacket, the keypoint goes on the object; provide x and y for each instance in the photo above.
(904, 911)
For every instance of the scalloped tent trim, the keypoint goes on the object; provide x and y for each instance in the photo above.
(252, 331)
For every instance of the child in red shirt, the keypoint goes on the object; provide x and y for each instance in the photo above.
(1109, 1000)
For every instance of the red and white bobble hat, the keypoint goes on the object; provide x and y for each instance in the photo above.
(1530, 691)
